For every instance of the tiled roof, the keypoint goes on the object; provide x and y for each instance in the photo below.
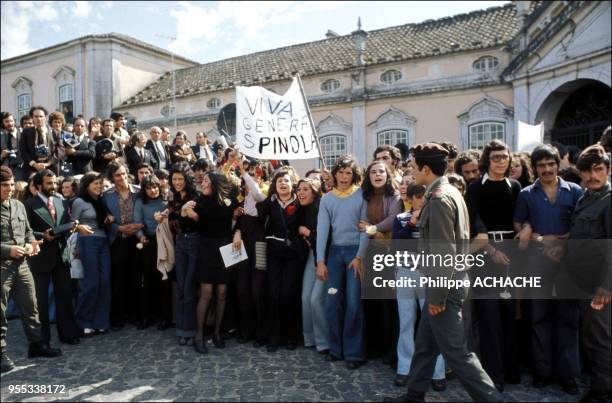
(470, 31)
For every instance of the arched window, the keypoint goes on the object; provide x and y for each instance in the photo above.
(213, 103)
(330, 86)
(483, 133)
(24, 103)
(332, 147)
(391, 76)
(486, 64)
(392, 137)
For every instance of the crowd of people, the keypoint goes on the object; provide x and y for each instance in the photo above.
(127, 229)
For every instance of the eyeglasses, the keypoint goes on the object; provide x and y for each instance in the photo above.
(499, 157)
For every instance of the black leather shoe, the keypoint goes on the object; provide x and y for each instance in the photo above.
(242, 339)
(291, 346)
(569, 386)
(42, 349)
(73, 341)
(259, 343)
(512, 379)
(164, 324)
(142, 325)
(540, 382)
(596, 397)
(324, 352)
(218, 341)
(331, 358)
(354, 364)
(400, 380)
(7, 364)
(115, 327)
(200, 345)
(438, 385)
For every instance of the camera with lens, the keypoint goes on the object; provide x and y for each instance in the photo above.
(42, 152)
(70, 140)
(13, 159)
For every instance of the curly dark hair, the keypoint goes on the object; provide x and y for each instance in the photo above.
(368, 187)
(278, 174)
(221, 187)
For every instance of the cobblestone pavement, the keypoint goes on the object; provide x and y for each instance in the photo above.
(149, 365)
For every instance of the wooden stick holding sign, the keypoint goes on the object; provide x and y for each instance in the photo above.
(314, 128)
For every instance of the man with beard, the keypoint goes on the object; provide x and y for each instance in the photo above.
(9, 145)
(48, 217)
(466, 165)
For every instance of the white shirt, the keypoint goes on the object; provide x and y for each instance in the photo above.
(486, 177)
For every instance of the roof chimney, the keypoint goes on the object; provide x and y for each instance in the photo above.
(331, 34)
(360, 37)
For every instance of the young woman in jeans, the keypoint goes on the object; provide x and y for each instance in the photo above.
(186, 245)
(339, 214)
(314, 322)
(93, 304)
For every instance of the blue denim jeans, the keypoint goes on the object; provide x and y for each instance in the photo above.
(408, 301)
(93, 305)
(186, 258)
(343, 306)
(314, 322)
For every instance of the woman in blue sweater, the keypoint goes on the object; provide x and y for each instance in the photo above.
(155, 300)
(339, 214)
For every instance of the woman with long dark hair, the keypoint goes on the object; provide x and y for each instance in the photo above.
(314, 322)
(187, 240)
(93, 304)
(214, 211)
(383, 204)
(278, 212)
(155, 292)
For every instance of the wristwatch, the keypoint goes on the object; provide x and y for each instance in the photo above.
(540, 239)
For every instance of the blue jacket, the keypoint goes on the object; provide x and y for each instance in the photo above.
(111, 199)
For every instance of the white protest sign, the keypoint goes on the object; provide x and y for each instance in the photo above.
(529, 136)
(274, 127)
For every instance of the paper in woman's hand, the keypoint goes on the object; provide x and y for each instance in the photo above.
(231, 256)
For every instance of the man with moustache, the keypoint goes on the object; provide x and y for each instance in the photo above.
(543, 213)
(46, 213)
(10, 155)
(466, 165)
(591, 227)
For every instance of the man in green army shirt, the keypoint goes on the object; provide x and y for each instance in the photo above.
(589, 263)
(444, 222)
(18, 242)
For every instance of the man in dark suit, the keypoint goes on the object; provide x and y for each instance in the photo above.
(37, 145)
(136, 153)
(82, 155)
(158, 149)
(108, 148)
(202, 148)
(46, 212)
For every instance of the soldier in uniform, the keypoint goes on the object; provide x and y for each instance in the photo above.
(445, 220)
(18, 242)
(590, 232)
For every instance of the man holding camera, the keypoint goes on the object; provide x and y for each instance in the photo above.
(50, 221)
(37, 145)
(18, 242)
(9, 146)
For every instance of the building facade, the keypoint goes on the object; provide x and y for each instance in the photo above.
(85, 76)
